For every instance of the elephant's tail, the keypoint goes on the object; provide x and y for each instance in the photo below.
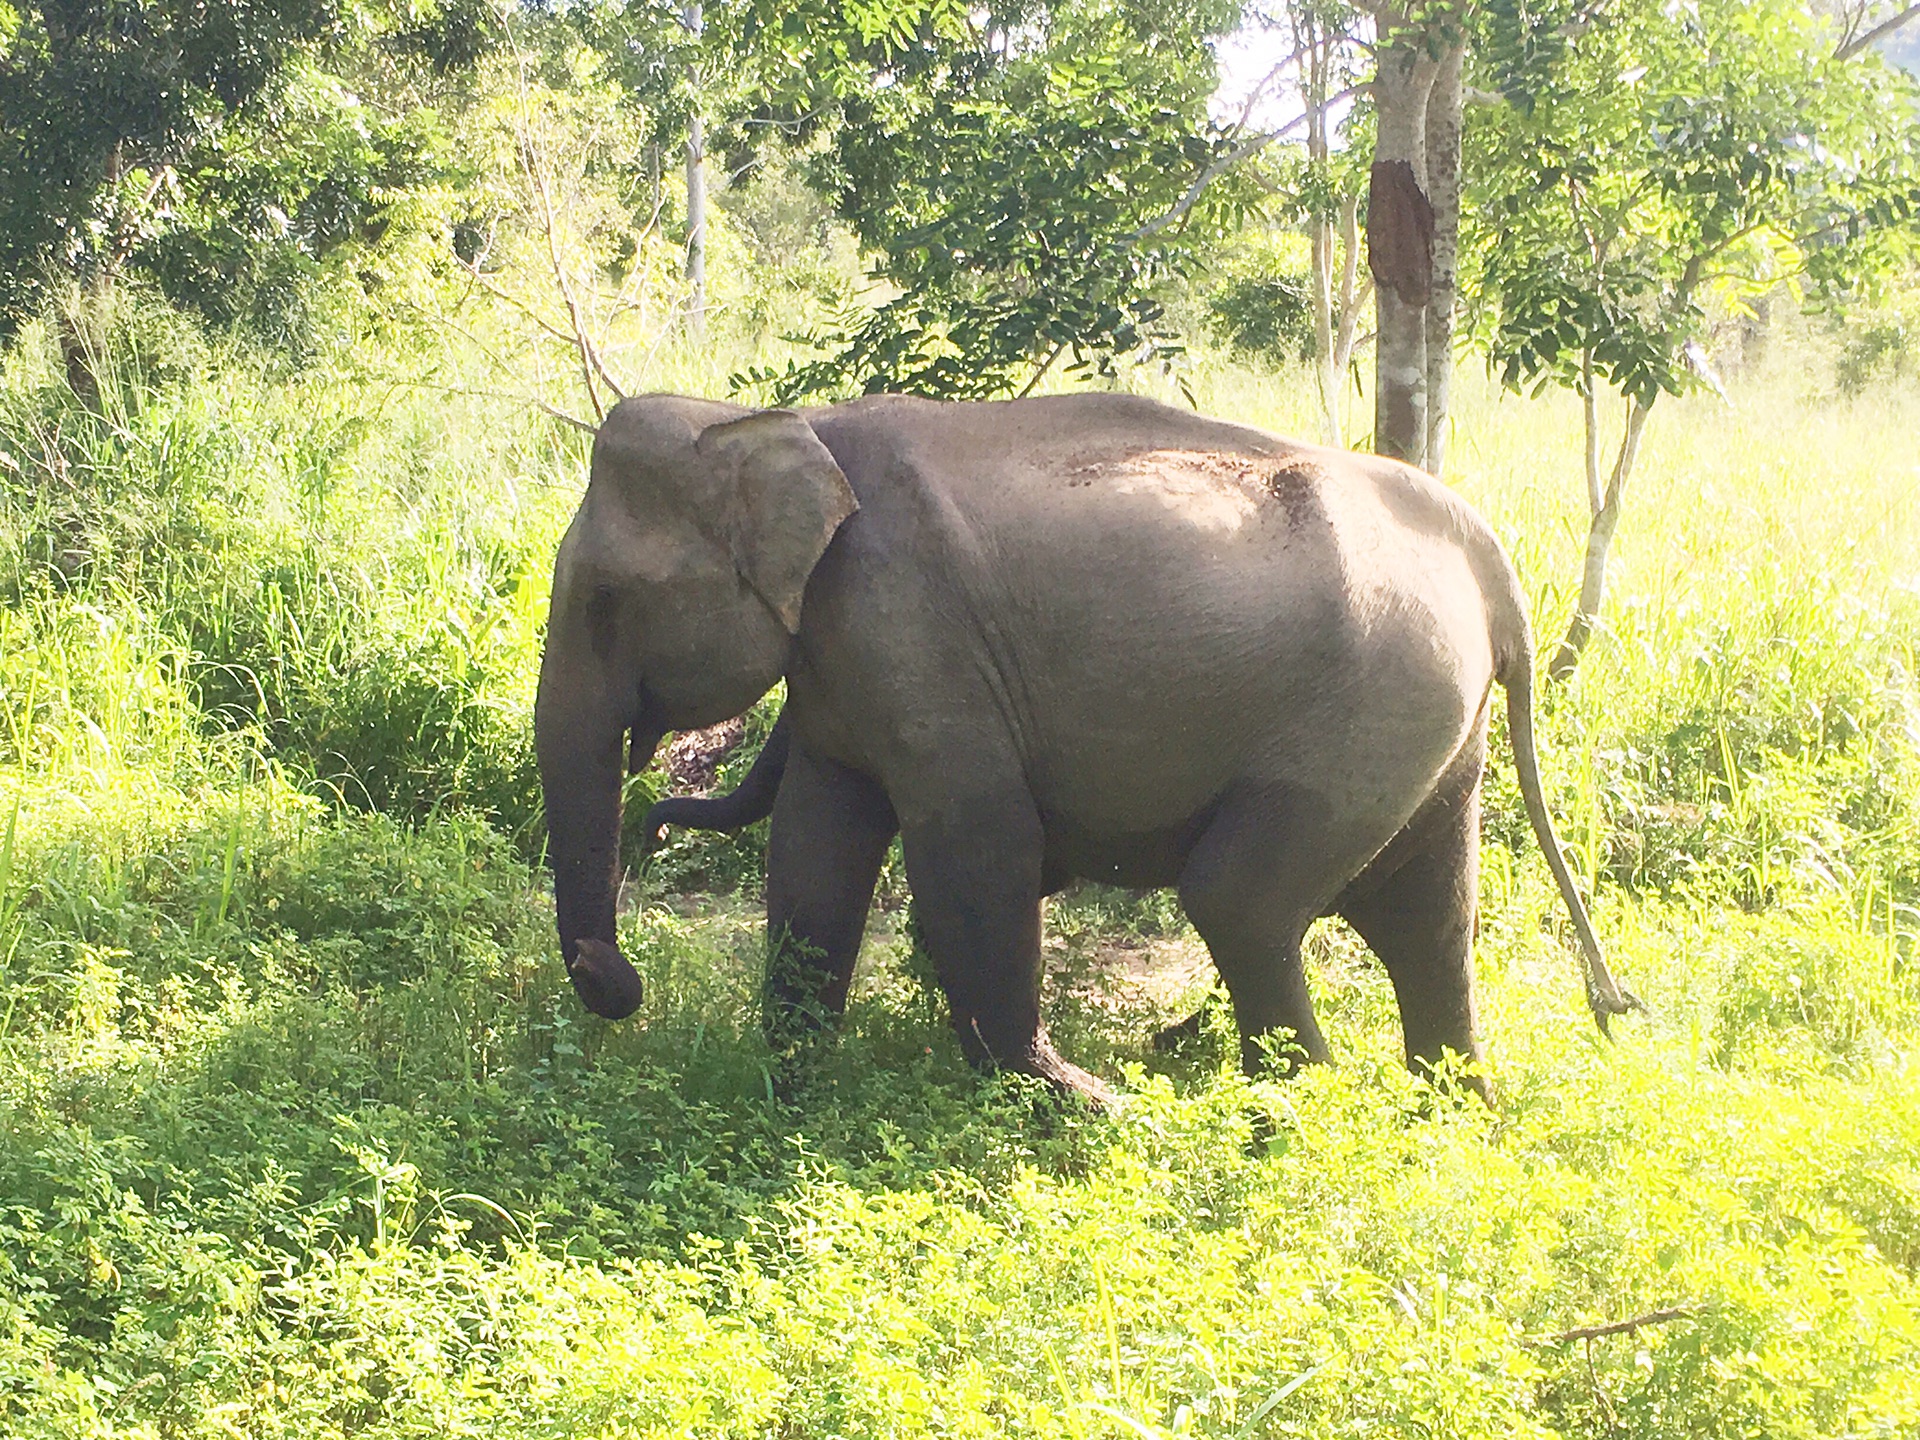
(1605, 995)
(752, 801)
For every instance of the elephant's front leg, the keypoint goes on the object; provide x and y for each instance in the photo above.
(976, 870)
(831, 828)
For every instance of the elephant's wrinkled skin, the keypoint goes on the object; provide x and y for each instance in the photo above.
(1042, 639)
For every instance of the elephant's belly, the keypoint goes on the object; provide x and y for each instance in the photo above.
(1139, 860)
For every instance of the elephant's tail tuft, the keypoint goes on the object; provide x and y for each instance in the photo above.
(1606, 997)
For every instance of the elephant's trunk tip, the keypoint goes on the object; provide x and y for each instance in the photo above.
(604, 979)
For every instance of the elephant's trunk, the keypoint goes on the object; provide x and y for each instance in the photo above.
(753, 800)
(581, 771)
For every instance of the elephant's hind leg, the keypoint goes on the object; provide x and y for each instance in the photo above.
(1416, 910)
(831, 828)
(1262, 872)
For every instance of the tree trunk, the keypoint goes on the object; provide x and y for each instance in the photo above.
(696, 200)
(1400, 246)
(1593, 577)
(1325, 368)
(77, 355)
(1590, 413)
(1444, 121)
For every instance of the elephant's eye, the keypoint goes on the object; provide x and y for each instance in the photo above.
(646, 703)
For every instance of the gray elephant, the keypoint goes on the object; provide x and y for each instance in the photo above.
(1080, 636)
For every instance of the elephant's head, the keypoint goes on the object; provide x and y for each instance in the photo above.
(676, 597)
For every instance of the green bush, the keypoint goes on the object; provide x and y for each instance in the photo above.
(1877, 344)
(350, 602)
(1267, 317)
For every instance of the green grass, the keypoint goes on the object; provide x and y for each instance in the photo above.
(302, 1133)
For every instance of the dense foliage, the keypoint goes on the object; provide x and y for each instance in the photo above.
(1030, 179)
(214, 146)
(1650, 167)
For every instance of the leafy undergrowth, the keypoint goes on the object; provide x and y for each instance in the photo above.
(304, 1137)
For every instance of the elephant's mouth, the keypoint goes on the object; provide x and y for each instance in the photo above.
(642, 741)
(646, 732)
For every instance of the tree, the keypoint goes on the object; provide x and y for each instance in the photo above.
(1865, 23)
(1027, 176)
(1329, 193)
(1650, 156)
(1413, 214)
(695, 22)
(126, 121)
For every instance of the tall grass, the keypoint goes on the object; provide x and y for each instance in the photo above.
(301, 1133)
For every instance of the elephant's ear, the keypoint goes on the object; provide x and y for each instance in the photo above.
(783, 497)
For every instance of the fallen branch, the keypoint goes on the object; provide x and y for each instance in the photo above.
(1619, 1327)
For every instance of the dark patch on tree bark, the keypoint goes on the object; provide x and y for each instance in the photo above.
(1399, 232)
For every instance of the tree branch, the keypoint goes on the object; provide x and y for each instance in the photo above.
(1253, 96)
(533, 162)
(500, 292)
(1040, 373)
(1886, 27)
(1226, 162)
(552, 412)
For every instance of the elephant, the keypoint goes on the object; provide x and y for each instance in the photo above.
(1081, 636)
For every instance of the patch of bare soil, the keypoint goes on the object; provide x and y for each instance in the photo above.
(1130, 978)
(694, 757)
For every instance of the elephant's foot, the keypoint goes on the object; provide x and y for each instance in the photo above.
(1039, 1059)
(604, 979)
(1183, 1034)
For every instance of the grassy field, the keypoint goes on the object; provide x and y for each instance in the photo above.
(302, 1133)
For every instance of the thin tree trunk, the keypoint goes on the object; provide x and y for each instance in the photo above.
(1326, 370)
(696, 200)
(1399, 247)
(77, 353)
(1354, 292)
(1593, 577)
(1444, 122)
(1590, 407)
(79, 322)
